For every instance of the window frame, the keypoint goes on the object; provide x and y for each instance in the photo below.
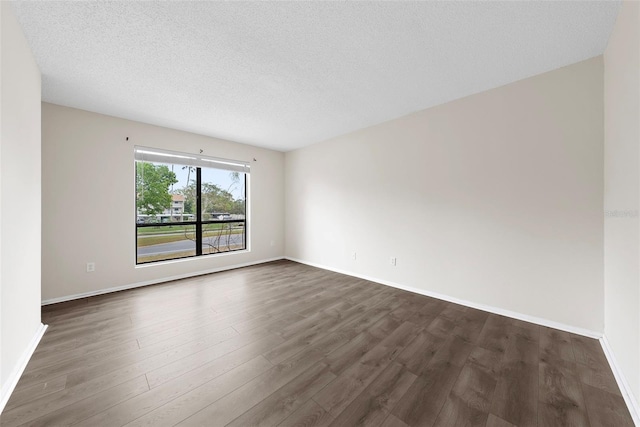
(198, 223)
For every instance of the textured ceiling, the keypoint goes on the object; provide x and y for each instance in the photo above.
(287, 74)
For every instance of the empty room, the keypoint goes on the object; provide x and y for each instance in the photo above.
(320, 213)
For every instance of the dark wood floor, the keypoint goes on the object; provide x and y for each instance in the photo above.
(283, 344)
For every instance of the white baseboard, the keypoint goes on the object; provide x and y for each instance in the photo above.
(625, 389)
(14, 377)
(487, 308)
(154, 281)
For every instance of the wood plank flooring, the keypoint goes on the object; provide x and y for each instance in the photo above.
(283, 344)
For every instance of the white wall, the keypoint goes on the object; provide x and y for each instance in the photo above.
(622, 193)
(19, 196)
(495, 198)
(88, 201)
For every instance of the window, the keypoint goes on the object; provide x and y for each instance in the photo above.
(188, 205)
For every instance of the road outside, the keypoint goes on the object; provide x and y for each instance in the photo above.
(189, 245)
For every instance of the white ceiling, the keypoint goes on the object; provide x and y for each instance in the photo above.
(284, 75)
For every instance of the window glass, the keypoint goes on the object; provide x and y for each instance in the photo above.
(168, 199)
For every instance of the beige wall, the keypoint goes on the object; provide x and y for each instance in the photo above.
(88, 201)
(495, 198)
(622, 192)
(19, 196)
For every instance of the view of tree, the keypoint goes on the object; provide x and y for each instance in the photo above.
(152, 187)
(166, 224)
(214, 199)
(189, 192)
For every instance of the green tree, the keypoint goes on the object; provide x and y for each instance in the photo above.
(236, 206)
(188, 206)
(152, 187)
(214, 198)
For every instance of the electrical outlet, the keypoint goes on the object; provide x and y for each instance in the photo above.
(393, 261)
(353, 256)
(91, 267)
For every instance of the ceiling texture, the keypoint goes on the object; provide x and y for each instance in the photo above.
(284, 75)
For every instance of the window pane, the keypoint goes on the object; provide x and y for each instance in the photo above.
(164, 242)
(167, 197)
(165, 193)
(223, 237)
(223, 195)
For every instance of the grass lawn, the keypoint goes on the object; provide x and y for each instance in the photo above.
(165, 257)
(162, 257)
(177, 236)
(167, 229)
